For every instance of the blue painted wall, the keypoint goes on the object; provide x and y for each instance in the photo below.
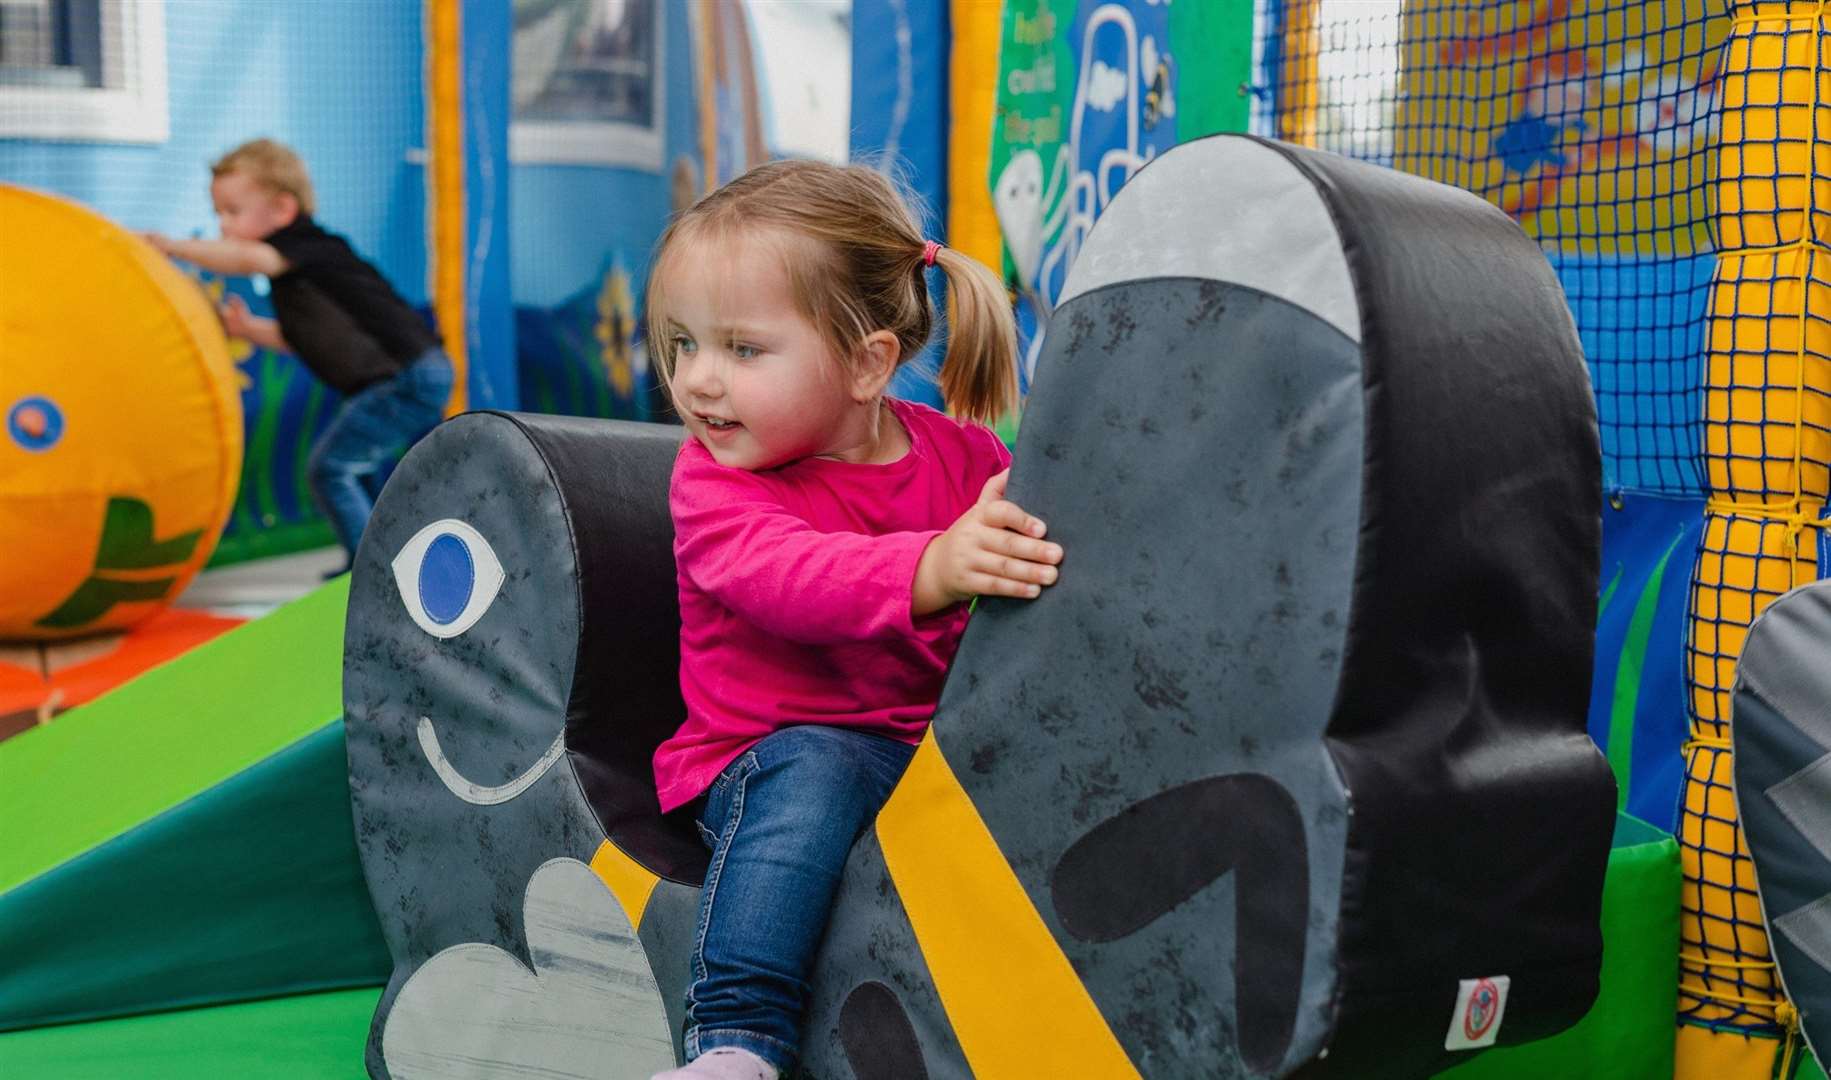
(899, 121)
(487, 28)
(339, 80)
(574, 227)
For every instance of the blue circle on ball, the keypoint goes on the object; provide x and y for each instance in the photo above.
(35, 423)
(447, 577)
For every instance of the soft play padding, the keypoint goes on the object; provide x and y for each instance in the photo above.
(40, 679)
(285, 1038)
(1293, 761)
(1287, 774)
(120, 423)
(1781, 729)
(1628, 1032)
(510, 663)
(185, 839)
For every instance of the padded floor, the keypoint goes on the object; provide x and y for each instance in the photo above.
(170, 734)
(307, 1037)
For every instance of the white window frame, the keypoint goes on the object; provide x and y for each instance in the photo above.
(627, 146)
(135, 112)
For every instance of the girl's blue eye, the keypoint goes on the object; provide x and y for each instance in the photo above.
(744, 352)
(448, 577)
(683, 343)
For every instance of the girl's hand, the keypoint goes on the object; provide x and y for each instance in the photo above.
(236, 317)
(994, 549)
(160, 242)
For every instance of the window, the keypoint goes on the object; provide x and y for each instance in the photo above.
(86, 70)
(586, 86)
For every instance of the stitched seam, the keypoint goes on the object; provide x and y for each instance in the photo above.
(733, 817)
(748, 1035)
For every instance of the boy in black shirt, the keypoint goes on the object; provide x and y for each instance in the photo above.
(335, 312)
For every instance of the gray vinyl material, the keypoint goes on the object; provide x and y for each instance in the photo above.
(1804, 799)
(1809, 930)
(1198, 441)
(1228, 210)
(669, 924)
(1203, 477)
(1781, 733)
(443, 871)
(870, 940)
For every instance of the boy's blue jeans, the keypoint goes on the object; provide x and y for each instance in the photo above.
(780, 821)
(366, 431)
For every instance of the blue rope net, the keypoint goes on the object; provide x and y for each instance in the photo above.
(1591, 125)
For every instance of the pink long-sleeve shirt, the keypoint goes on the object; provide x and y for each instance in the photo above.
(795, 592)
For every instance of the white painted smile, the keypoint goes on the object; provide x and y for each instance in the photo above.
(478, 794)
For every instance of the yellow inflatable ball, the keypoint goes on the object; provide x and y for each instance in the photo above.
(120, 423)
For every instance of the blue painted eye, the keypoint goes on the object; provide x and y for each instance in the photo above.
(35, 423)
(448, 576)
(447, 579)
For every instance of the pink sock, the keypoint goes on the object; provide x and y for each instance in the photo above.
(723, 1063)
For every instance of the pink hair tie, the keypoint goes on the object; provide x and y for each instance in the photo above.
(930, 249)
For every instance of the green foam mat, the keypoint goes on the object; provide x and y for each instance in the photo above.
(1627, 1034)
(304, 1037)
(138, 751)
(252, 889)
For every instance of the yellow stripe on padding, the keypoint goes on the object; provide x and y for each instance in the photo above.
(629, 882)
(1017, 1006)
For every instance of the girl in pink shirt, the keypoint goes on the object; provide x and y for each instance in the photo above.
(828, 539)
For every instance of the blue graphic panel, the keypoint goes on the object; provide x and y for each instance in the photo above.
(1637, 704)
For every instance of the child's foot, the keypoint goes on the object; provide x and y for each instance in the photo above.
(723, 1063)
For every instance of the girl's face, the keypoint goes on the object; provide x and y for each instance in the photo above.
(753, 380)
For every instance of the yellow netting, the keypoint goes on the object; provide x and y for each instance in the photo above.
(1591, 122)
(1767, 462)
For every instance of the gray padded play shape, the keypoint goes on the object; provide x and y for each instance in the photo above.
(1780, 725)
(1292, 757)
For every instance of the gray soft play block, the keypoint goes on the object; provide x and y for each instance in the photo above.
(464, 741)
(1781, 731)
(1291, 758)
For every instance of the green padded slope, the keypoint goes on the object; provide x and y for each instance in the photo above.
(308, 1037)
(1628, 1032)
(252, 889)
(186, 838)
(168, 735)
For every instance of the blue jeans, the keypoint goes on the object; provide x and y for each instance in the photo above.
(780, 821)
(365, 433)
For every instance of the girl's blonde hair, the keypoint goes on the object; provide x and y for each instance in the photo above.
(854, 260)
(274, 166)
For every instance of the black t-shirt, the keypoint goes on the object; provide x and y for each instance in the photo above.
(339, 314)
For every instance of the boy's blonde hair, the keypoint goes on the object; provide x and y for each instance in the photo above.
(854, 261)
(272, 165)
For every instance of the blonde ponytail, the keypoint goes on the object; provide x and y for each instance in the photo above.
(979, 373)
